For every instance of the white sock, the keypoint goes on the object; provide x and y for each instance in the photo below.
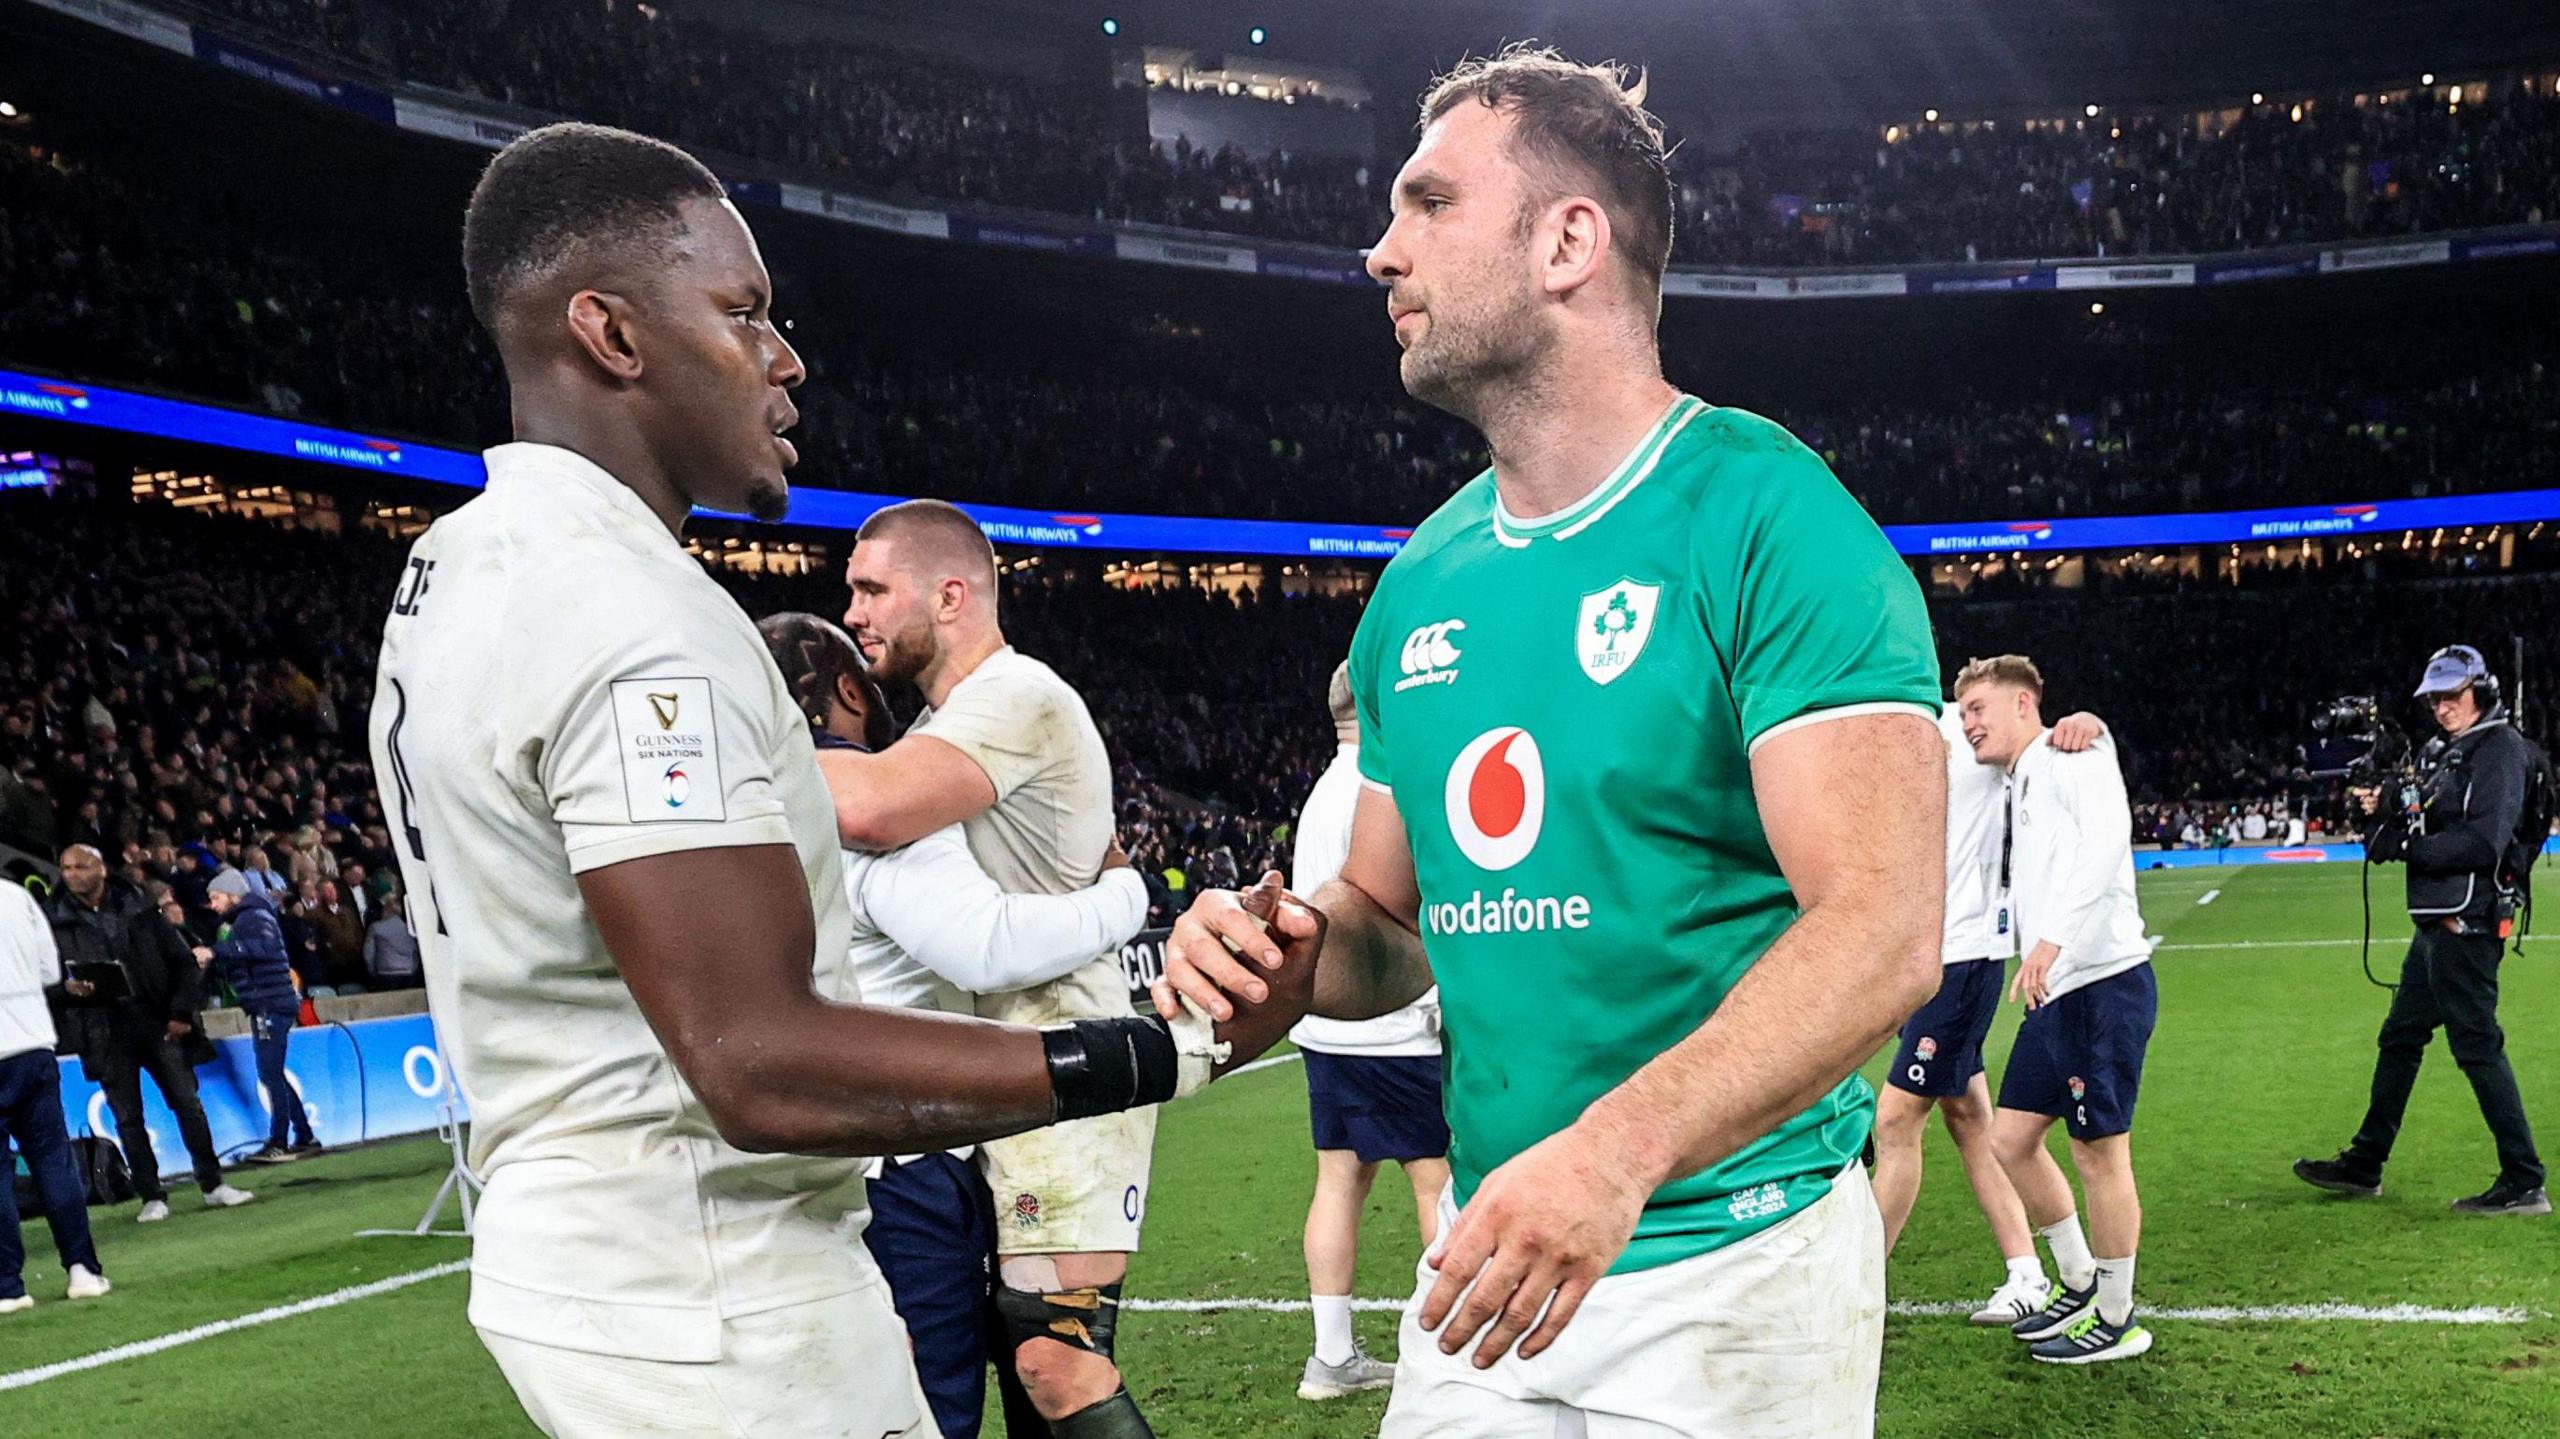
(2026, 1269)
(2070, 1247)
(2115, 1289)
(1334, 1344)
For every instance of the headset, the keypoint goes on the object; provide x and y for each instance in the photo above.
(2475, 673)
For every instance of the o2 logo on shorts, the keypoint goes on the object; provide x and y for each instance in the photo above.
(1026, 1211)
(1917, 1074)
(1129, 1204)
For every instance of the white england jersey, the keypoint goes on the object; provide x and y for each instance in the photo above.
(1031, 733)
(1977, 811)
(1323, 843)
(562, 688)
(2071, 862)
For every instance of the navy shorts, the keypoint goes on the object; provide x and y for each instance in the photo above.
(2079, 1058)
(933, 1234)
(1377, 1106)
(1941, 1049)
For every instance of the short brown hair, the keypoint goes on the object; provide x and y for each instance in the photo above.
(2015, 670)
(945, 529)
(1578, 123)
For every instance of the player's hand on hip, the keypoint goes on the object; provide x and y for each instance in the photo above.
(1540, 1231)
(1225, 945)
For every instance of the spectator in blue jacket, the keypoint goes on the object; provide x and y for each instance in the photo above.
(252, 954)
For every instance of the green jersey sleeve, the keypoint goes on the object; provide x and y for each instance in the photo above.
(1365, 663)
(1824, 614)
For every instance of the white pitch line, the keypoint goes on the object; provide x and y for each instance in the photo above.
(2208, 1314)
(1291, 1057)
(2264, 944)
(146, 1347)
(2208, 897)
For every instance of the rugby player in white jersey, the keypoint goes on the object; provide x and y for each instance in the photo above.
(629, 896)
(1007, 750)
(932, 930)
(2091, 1003)
(1937, 1064)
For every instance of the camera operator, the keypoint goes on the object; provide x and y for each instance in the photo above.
(2470, 795)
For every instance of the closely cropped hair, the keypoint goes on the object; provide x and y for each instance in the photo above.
(946, 527)
(1583, 125)
(572, 198)
(2015, 670)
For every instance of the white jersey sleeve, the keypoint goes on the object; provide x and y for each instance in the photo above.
(663, 749)
(936, 902)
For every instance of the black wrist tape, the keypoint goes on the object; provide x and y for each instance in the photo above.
(1103, 1066)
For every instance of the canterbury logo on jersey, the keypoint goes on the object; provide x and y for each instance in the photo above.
(1496, 804)
(1430, 655)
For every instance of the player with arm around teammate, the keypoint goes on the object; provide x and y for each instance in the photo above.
(1007, 750)
(629, 897)
(2091, 1003)
(930, 931)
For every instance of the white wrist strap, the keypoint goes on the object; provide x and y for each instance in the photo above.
(1198, 1049)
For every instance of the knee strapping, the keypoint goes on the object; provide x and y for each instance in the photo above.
(1086, 1319)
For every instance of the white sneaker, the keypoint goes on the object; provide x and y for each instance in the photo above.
(153, 1212)
(1355, 1375)
(223, 1196)
(87, 1283)
(2014, 1301)
(19, 1305)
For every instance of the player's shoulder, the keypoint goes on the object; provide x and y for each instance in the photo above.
(1012, 680)
(1468, 512)
(1724, 458)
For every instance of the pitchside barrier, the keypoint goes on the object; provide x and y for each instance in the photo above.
(359, 1080)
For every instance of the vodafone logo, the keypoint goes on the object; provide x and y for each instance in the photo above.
(1497, 797)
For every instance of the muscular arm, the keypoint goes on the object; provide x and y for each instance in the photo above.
(1372, 962)
(715, 945)
(904, 792)
(1855, 810)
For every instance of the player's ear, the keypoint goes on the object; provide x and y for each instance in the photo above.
(1572, 240)
(600, 322)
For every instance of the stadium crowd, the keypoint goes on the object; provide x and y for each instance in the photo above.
(182, 713)
(2288, 169)
(93, 284)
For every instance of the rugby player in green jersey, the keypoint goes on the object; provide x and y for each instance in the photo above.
(1655, 789)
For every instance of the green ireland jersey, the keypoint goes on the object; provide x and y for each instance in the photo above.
(1564, 711)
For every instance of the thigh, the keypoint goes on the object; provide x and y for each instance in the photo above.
(1444, 1396)
(2463, 972)
(2034, 1080)
(1777, 1337)
(1941, 1046)
(1077, 1188)
(170, 1070)
(837, 1368)
(2109, 1028)
(2413, 1015)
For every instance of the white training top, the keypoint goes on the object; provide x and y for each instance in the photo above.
(2071, 862)
(561, 689)
(1031, 733)
(1977, 808)
(29, 963)
(1323, 840)
(931, 930)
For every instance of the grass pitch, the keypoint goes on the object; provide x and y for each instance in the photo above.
(2264, 1048)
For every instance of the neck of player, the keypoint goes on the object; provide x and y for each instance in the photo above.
(957, 662)
(1556, 435)
(613, 447)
